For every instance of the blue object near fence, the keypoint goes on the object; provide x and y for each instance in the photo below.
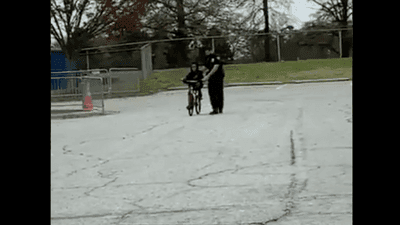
(59, 63)
(61, 84)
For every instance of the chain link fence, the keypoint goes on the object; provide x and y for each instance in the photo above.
(122, 66)
(232, 49)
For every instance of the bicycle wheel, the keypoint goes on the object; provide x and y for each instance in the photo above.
(198, 105)
(190, 110)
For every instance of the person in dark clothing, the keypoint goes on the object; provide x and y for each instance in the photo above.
(195, 74)
(215, 79)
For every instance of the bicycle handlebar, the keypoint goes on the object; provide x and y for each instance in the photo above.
(192, 81)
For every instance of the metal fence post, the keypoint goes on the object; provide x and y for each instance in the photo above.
(340, 43)
(278, 47)
(213, 49)
(87, 60)
(102, 97)
(110, 88)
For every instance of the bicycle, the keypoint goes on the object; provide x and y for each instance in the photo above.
(193, 98)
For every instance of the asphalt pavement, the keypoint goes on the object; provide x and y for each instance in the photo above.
(279, 154)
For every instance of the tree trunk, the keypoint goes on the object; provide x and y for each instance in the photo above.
(266, 30)
(346, 42)
(180, 45)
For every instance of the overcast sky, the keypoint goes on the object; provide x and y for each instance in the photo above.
(301, 10)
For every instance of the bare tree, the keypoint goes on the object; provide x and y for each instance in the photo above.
(266, 30)
(335, 13)
(74, 22)
(230, 16)
(272, 15)
(184, 18)
(334, 10)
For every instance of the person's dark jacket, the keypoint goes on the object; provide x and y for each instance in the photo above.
(219, 75)
(194, 75)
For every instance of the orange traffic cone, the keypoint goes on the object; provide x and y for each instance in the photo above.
(88, 103)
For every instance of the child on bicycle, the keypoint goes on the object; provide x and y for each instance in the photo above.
(195, 74)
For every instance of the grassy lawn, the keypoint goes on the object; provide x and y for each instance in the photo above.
(162, 80)
(259, 72)
(291, 70)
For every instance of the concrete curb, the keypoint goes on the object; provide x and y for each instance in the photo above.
(319, 80)
(271, 83)
(81, 114)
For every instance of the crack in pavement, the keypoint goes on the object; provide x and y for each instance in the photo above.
(327, 196)
(292, 192)
(130, 212)
(290, 204)
(293, 156)
(324, 213)
(65, 150)
(84, 168)
(106, 175)
(140, 184)
(205, 175)
(69, 174)
(123, 217)
(223, 207)
(66, 188)
(118, 185)
(151, 128)
(81, 216)
(93, 189)
(144, 131)
(88, 156)
(206, 166)
(317, 148)
(189, 182)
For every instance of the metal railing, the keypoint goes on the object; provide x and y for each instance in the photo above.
(73, 85)
(123, 77)
(81, 87)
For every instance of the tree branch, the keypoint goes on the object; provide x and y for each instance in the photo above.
(80, 14)
(172, 8)
(350, 14)
(67, 25)
(57, 36)
(57, 12)
(98, 23)
(194, 7)
(53, 12)
(334, 7)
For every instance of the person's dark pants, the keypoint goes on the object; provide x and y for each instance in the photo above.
(216, 92)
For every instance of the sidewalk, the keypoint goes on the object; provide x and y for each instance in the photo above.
(269, 83)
